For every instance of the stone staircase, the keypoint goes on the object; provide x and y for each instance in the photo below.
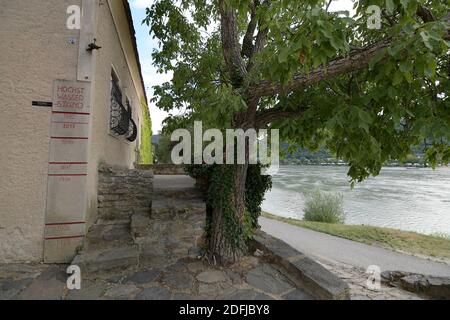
(143, 220)
(176, 223)
(109, 244)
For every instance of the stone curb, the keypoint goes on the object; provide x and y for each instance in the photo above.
(430, 286)
(302, 270)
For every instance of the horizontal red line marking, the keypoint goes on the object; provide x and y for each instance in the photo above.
(62, 112)
(68, 175)
(70, 138)
(69, 122)
(75, 163)
(63, 238)
(64, 223)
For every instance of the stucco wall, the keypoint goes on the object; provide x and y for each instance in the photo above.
(34, 52)
(104, 147)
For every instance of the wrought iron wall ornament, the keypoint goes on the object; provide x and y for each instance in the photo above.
(132, 131)
(121, 120)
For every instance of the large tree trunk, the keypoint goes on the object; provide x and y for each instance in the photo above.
(226, 238)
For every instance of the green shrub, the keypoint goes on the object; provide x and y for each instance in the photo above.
(324, 207)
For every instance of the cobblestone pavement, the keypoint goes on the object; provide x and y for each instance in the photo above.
(187, 279)
(357, 278)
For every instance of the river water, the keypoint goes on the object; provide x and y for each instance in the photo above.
(416, 199)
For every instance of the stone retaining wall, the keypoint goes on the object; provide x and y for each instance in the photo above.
(124, 192)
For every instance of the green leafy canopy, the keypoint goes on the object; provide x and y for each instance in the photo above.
(322, 78)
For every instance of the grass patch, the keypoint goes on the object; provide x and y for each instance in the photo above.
(405, 241)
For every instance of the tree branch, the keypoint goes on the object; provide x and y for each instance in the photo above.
(328, 5)
(264, 117)
(247, 45)
(355, 61)
(230, 43)
(261, 40)
(425, 14)
(260, 43)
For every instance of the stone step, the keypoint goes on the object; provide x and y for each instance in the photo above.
(140, 226)
(178, 193)
(111, 214)
(156, 254)
(118, 198)
(126, 203)
(108, 171)
(102, 236)
(107, 259)
(164, 202)
(109, 222)
(176, 209)
(121, 213)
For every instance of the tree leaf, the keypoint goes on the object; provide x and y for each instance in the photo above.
(283, 56)
(365, 116)
(376, 59)
(404, 3)
(408, 76)
(426, 40)
(390, 6)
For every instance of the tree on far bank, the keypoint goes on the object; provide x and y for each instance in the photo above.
(322, 78)
(163, 150)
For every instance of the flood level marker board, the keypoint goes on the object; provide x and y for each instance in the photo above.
(67, 175)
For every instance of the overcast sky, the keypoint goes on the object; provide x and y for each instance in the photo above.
(146, 45)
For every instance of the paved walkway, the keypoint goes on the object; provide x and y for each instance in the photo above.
(333, 249)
